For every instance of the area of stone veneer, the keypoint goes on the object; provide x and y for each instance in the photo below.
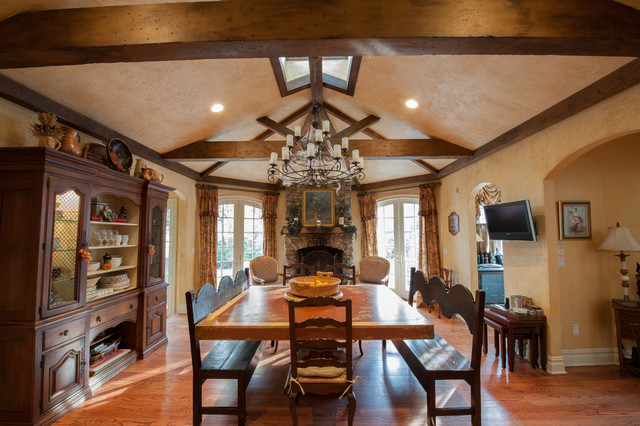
(341, 241)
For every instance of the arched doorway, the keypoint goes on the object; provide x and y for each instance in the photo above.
(489, 252)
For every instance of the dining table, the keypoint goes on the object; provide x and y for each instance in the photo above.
(261, 313)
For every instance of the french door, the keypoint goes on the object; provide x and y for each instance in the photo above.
(240, 235)
(398, 238)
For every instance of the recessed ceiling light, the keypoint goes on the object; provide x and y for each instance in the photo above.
(217, 108)
(411, 104)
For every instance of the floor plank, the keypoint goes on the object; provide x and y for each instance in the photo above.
(157, 391)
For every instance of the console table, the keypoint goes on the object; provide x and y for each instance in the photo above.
(511, 329)
(627, 327)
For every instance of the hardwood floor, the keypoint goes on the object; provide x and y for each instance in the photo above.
(157, 391)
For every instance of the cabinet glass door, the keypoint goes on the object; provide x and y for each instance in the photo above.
(63, 273)
(156, 247)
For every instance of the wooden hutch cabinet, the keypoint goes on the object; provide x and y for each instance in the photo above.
(61, 317)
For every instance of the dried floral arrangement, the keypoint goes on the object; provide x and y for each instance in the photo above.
(47, 126)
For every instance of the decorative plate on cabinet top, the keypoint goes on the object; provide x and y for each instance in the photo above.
(120, 157)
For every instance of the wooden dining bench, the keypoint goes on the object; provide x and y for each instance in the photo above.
(228, 359)
(435, 359)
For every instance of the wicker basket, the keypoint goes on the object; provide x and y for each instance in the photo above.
(315, 286)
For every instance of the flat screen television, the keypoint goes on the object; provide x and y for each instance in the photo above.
(510, 221)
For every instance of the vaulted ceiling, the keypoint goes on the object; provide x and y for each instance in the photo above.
(150, 74)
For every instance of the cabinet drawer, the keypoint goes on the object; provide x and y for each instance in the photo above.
(156, 297)
(107, 314)
(63, 333)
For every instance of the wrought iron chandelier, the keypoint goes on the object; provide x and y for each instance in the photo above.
(312, 160)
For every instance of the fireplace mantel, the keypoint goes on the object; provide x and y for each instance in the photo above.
(317, 230)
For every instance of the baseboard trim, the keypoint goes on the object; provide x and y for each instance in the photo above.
(181, 308)
(555, 365)
(587, 357)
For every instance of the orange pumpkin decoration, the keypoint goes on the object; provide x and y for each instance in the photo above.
(106, 266)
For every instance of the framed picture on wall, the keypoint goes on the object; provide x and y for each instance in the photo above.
(317, 208)
(574, 219)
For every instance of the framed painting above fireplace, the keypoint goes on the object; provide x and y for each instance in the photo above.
(317, 208)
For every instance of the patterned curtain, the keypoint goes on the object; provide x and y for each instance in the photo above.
(429, 235)
(487, 195)
(269, 208)
(368, 208)
(208, 203)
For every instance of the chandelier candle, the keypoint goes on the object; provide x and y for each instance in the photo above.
(311, 159)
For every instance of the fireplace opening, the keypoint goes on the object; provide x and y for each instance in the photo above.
(319, 257)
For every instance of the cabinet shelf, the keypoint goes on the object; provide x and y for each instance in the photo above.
(106, 271)
(93, 299)
(93, 222)
(112, 247)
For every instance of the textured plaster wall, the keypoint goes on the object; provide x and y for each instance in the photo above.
(608, 177)
(526, 171)
(14, 132)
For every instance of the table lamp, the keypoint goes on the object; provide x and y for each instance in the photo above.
(619, 239)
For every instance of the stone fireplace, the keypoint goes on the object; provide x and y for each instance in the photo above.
(321, 246)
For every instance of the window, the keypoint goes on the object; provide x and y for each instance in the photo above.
(240, 235)
(398, 239)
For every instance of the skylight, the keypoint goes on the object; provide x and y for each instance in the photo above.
(336, 72)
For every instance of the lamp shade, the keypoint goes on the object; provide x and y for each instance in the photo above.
(619, 239)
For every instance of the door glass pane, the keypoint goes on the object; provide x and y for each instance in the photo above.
(411, 239)
(386, 238)
(156, 238)
(253, 234)
(225, 241)
(64, 251)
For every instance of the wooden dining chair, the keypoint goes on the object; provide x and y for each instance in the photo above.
(321, 354)
(346, 273)
(296, 270)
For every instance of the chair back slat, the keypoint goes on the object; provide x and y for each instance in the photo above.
(321, 344)
(320, 324)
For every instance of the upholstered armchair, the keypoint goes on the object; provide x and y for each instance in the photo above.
(264, 270)
(374, 270)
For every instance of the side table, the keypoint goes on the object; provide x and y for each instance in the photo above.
(627, 315)
(510, 328)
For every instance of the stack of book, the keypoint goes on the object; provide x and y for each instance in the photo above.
(108, 361)
(528, 312)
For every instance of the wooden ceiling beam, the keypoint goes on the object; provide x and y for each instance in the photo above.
(411, 180)
(215, 166)
(275, 126)
(356, 127)
(350, 120)
(372, 149)
(234, 29)
(610, 85)
(241, 183)
(428, 167)
(315, 75)
(286, 121)
(34, 101)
